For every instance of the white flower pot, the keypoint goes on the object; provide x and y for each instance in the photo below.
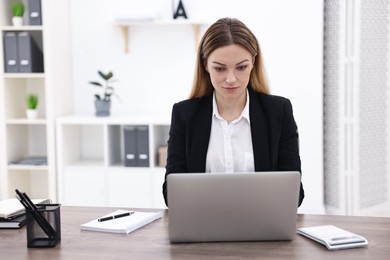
(32, 114)
(17, 21)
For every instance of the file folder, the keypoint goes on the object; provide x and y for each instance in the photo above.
(30, 55)
(130, 145)
(34, 12)
(10, 52)
(143, 146)
(136, 142)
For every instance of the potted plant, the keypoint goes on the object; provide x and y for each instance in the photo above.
(17, 12)
(103, 101)
(32, 105)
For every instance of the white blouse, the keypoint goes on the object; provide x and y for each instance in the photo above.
(230, 147)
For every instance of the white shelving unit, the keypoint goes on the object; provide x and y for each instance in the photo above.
(91, 169)
(124, 24)
(20, 137)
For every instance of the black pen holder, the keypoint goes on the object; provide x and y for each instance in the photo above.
(44, 226)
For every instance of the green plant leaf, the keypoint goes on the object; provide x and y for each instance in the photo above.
(32, 101)
(108, 90)
(106, 76)
(18, 9)
(109, 75)
(96, 83)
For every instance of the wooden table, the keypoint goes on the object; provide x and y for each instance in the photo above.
(151, 241)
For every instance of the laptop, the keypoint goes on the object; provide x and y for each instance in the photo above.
(217, 207)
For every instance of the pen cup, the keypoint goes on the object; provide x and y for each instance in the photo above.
(44, 226)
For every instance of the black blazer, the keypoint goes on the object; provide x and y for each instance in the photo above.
(274, 136)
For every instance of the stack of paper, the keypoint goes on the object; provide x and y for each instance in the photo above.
(12, 207)
(124, 224)
(32, 160)
(12, 212)
(13, 222)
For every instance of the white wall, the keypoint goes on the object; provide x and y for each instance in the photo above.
(158, 70)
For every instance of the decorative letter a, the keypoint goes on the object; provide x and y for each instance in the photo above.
(180, 11)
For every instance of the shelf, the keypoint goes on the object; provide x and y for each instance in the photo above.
(91, 147)
(36, 34)
(24, 75)
(124, 25)
(15, 93)
(21, 138)
(25, 141)
(8, 28)
(86, 138)
(26, 167)
(25, 121)
(120, 119)
(32, 180)
(85, 164)
(120, 167)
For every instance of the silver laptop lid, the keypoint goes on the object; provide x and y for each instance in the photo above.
(232, 207)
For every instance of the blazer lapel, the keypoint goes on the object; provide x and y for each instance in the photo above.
(200, 135)
(260, 134)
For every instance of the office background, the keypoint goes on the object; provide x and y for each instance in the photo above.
(157, 71)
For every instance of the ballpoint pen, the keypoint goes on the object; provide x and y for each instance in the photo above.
(41, 220)
(116, 216)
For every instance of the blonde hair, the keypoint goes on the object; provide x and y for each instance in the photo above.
(224, 32)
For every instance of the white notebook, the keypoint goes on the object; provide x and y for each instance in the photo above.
(12, 207)
(333, 237)
(126, 224)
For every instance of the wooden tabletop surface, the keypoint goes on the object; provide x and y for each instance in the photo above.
(151, 241)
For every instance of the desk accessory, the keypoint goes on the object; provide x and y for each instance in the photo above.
(116, 216)
(12, 207)
(35, 237)
(333, 238)
(43, 222)
(13, 222)
(134, 220)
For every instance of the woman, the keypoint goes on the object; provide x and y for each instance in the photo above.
(231, 123)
